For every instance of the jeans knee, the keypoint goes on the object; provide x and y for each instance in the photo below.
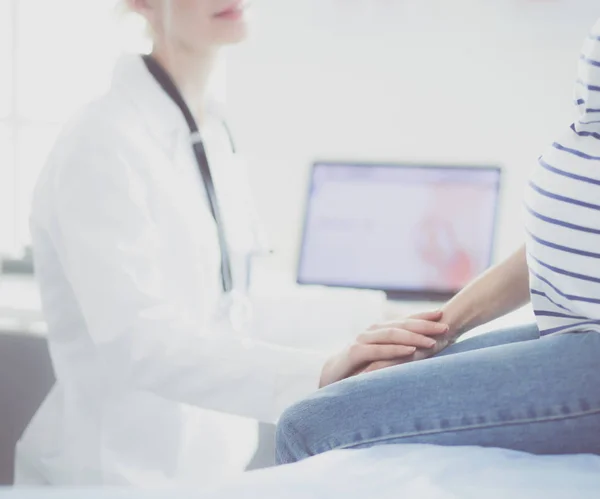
(290, 441)
(301, 429)
(286, 437)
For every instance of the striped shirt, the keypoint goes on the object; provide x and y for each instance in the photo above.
(563, 214)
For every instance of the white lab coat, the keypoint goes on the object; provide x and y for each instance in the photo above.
(127, 259)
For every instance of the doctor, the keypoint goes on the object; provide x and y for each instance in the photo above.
(142, 229)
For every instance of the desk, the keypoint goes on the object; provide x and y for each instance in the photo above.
(20, 308)
(20, 305)
(25, 369)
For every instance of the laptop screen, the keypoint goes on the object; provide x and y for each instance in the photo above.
(412, 231)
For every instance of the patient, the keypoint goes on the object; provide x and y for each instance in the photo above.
(534, 388)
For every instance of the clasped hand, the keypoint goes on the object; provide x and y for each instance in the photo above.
(392, 343)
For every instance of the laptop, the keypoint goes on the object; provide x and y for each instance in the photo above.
(416, 232)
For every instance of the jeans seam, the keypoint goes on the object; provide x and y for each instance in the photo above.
(470, 427)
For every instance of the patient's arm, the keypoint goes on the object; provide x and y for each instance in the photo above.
(497, 292)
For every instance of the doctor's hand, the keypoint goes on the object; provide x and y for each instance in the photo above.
(384, 345)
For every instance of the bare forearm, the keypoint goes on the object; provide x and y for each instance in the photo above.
(499, 291)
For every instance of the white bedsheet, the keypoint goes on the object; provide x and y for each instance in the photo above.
(420, 471)
(394, 472)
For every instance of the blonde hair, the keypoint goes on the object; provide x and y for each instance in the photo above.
(122, 8)
(136, 34)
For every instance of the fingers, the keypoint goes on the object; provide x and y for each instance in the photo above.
(434, 315)
(384, 364)
(393, 343)
(396, 336)
(419, 326)
(363, 354)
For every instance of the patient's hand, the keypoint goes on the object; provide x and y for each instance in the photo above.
(442, 340)
(384, 345)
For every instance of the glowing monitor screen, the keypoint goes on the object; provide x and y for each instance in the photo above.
(412, 231)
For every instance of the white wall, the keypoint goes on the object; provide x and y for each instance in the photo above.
(474, 81)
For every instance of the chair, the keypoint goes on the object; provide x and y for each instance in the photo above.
(26, 377)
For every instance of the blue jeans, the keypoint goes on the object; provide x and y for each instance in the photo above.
(507, 389)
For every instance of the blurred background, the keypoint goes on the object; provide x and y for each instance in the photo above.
(468, 81)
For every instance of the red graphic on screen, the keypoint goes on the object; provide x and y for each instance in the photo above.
(440, 249)
(443, 244)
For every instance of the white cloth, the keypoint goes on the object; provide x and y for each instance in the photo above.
(420, 472)
(391, 472)
(128, 263)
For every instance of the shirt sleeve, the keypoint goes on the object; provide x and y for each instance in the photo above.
(108, 245)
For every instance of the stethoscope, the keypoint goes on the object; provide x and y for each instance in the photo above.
(237, 303)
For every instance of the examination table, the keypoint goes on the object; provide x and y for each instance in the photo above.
(391, 472)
